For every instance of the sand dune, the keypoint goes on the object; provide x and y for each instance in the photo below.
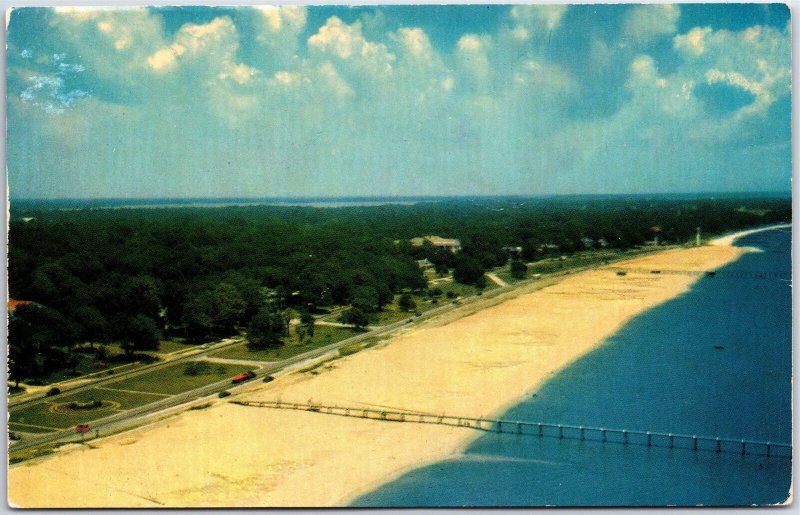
(478, 365)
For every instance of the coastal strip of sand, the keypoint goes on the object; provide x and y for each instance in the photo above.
(235, 456)
(728, 239)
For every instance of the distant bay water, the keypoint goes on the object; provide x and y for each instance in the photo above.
(715, 361)
(28, 204)
(164, 203)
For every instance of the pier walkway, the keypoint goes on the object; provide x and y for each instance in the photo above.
(540, 429)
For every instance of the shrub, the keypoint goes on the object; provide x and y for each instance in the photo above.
(197, 368)
(518, 269)
(355, 317)
(406, 302)
(349, 349)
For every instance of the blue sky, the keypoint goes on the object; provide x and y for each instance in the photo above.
(403, 100)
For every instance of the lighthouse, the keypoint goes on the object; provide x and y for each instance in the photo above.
(697, 238)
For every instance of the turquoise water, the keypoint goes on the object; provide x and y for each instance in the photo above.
(715, 361)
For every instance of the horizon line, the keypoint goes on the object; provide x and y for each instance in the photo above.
(401, 197)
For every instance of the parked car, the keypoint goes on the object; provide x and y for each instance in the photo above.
(243, 377)
(53, 391)
(224, 394)
(268, 379)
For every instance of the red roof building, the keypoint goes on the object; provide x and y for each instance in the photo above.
(13, 304)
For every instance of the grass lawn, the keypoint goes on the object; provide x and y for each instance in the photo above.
(556, 264)
(172, 379)
(165, 347)
(505, 274)
(323, 335)
(173, 345)
(334, 313)
(87, 364)
(27, 429)
(460, 290)
(84, 367)
(392, 312)
(56, 414)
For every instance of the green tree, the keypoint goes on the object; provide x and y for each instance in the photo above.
(355, 317)
(199, 316)
(406, 302)
(468, 270)
(229, 307)
(307, 319)
(93, 325)
(518, 269)
(365, 298)
(141, 295)
(40, 339)
(267, 329)
(21, 351)
(140, 332)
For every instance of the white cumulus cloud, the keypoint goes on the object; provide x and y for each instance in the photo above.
(647, 22)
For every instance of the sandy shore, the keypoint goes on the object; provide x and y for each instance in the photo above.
(729, 239)
(478, 365)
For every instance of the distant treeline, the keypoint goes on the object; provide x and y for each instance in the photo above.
(132, 275)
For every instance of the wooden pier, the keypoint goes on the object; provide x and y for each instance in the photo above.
(695, 443)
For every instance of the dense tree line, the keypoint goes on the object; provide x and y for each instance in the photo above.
(133, 275)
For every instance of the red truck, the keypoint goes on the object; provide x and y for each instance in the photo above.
(242, 377)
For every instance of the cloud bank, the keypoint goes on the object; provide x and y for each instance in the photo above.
(273, 101)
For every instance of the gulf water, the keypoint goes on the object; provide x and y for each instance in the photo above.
(715, 361)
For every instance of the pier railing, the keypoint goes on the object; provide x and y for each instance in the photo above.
(696, 443)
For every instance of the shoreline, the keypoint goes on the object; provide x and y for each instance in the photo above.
(478, 365)
(730, 239)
